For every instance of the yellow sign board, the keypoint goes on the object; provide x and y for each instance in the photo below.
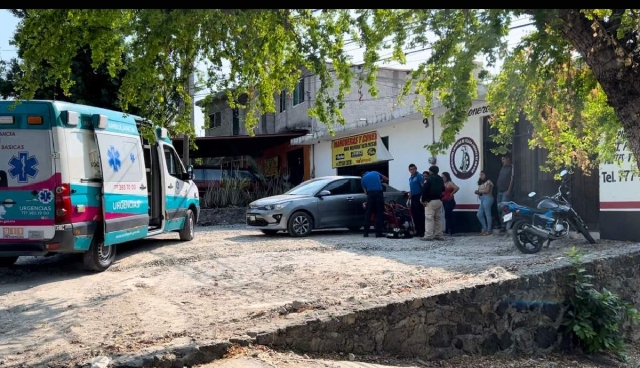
(271, 166)
(354, 150)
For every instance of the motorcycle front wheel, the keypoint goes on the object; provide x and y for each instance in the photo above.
(581, 227)
(525, 242)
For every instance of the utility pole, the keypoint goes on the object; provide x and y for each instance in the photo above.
(185, 137)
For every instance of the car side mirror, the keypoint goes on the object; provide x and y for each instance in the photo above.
(532, 194)
(324, 193)
(189, 174)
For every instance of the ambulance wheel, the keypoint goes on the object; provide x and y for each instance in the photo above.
(7, 261)
(187, 232)
(98, 258)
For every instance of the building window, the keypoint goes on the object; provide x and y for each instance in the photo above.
(215, 119)
(283, 101)
(298, 93)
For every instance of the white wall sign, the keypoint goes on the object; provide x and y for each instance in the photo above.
(620, 182)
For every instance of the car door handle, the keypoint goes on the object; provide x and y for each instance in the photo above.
(170, 186)
(142, 187)
(350, 199)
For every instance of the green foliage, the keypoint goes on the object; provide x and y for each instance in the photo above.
(559, 94)
(91, 87)
(596, 317)
(265, 50)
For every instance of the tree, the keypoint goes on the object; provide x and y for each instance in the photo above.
(91, 87)
(95, 88)
(575, 76)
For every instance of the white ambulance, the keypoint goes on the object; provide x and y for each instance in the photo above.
(81, 179)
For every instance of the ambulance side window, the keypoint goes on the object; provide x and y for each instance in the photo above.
(174, 165)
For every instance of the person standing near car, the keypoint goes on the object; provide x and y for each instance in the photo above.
(505, 186)
(432, 200)
(417, 209)
(372, 186)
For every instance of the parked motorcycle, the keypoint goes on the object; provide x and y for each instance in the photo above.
(550, 219)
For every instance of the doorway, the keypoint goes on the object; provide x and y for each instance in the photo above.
(492, 163)
(295, 162)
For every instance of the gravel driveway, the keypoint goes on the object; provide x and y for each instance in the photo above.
(231, 281)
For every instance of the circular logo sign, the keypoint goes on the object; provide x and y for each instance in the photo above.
(464, 158)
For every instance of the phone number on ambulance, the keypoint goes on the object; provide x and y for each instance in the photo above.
(125, 186)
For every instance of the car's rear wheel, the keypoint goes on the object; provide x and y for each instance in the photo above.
(300, 224)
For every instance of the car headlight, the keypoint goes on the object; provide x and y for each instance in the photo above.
(277, 206)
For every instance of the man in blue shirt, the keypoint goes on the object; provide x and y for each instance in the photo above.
(372, 186)
(417, 209)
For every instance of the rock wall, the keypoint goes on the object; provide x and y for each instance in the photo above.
(222, 216)
(522, 315)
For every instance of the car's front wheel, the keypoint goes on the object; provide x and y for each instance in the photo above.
(300, 224)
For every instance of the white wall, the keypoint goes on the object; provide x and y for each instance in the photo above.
(406, 144)
(619, 182)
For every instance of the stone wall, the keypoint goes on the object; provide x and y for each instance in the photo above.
(222, 216)
(522, 315)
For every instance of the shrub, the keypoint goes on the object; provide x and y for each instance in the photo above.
(595, 317)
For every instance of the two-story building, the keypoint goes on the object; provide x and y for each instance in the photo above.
(294, 160)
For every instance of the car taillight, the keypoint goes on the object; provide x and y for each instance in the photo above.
(63, 204)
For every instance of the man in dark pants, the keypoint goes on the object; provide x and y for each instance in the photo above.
(417, 209)
(372, 186)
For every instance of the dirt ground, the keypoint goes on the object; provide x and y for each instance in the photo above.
(230, 281)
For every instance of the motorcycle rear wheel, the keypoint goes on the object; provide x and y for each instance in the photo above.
(521, 239)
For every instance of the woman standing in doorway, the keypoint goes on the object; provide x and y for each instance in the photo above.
(484, 192)
(448, 201)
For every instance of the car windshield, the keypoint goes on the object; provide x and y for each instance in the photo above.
(310, 187)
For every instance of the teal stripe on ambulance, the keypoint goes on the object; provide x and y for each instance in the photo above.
(24, 109)
(85, 195)
(176, 202)
(82, 242)
(126, 203)
(175, 224)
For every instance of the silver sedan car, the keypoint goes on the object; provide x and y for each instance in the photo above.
(327, 202)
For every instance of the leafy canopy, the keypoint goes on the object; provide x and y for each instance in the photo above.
(258, 53)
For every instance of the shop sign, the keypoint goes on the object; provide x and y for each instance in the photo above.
(354, 150)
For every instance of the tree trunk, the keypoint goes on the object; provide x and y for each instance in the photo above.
(606, 58)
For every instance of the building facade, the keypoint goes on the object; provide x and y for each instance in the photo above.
(293, 161)
(405, 137)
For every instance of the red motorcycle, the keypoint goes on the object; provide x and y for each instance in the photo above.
(398, 222)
